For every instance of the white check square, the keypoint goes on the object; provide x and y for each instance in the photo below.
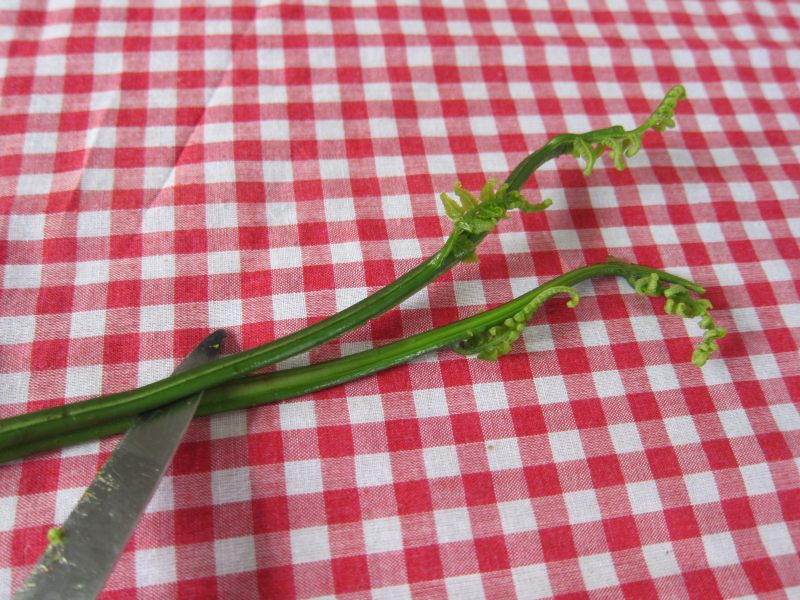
(452, 525)
(155, 566)
(235, 555)
(625, 437)
(720, 549)
(310, 544)
(777, 539)
(25, 227)
(532, 582)
(158, 218)
(681, 431)
(582, 506)
(224, 313)
(660, 559)
(644, 497)
(566, 445)
(503, 454)
(551, 390)
(230, 485)
(490, 396)
(373, 469)
(701, 487)
(297, 415)
(17, 330)
(365, 409)
(8, 512)
(383, 535)
(84, 381)
(303, 477)
(517, 516)
(598, 571)
(441, 461)
(289, 306)
(757, 479)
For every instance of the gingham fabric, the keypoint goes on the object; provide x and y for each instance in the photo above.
(173, 169)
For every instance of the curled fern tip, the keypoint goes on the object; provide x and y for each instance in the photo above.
(680, 302)
(623, 144)
(495, 341)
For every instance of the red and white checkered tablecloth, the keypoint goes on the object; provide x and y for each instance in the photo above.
(174, 169)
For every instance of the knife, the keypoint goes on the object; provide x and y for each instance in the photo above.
(83, 552)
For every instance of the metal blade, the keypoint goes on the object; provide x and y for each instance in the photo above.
(96, 532)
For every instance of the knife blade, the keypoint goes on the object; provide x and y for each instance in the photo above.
(81, 556)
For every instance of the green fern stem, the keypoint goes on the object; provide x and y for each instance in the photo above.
(289, 383)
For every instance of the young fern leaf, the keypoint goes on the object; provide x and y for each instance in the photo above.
(680, 302)
(621, 143)
(473, 216)
(494, 342)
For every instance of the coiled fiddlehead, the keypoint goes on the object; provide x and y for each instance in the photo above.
(494, 342)
(622, 143)
(680, 302)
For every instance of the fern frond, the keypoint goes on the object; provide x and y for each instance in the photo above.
(475, 217)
